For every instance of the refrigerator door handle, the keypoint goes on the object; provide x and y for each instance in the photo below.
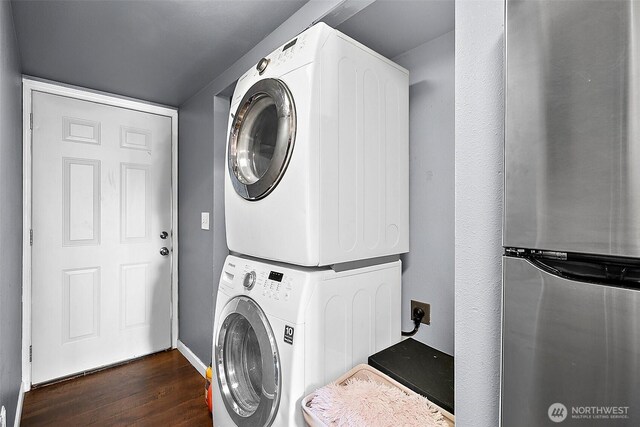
(617, 272)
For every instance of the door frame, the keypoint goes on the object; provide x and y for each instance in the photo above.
(30, 85)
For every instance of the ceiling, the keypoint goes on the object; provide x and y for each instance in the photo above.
(161, 51)
(164, 51)
(392, 27)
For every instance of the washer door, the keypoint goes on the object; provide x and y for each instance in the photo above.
(261, 139)
(248, 364)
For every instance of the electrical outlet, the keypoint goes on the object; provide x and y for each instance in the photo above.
(427, 311)
(3, 417)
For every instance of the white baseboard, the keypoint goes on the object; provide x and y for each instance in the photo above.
(192, 358)
(16, 423)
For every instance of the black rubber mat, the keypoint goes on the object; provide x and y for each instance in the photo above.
(423, 369)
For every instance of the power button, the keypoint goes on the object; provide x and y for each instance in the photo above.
(249, 280)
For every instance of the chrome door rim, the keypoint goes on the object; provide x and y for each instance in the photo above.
(265, 411)
(285, 139)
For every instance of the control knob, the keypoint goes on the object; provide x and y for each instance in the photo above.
(249, 280)
(262, 65)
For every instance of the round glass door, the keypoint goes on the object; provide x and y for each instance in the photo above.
(248, 364)
(261, 139)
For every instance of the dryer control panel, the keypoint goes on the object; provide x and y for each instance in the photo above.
(288, 50)
(295, 53)
(292, 54)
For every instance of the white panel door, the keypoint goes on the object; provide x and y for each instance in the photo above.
(101, 290)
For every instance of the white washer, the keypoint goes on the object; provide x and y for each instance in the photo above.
(280, 332)
(317, 155)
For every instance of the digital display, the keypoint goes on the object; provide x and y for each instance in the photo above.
(288, 45)
(275, 276)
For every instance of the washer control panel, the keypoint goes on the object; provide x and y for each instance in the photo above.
(273, 284)
(280, 291)
(277, 286)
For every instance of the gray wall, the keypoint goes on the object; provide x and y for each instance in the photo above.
(195, 195)
(428, 268)
(10, 214)
(478, 192)
(221, 107)
(201, 189)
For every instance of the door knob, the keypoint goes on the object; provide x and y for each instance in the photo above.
(164, 251)
(164, 235)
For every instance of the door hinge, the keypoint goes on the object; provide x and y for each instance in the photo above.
(31, 237)
(31, 121)
(30, 353)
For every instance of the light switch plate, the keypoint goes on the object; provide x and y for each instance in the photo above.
(204, 220)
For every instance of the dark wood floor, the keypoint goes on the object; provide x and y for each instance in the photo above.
(158, 390)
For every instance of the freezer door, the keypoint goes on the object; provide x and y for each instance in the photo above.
(568, 345)
(572, 135)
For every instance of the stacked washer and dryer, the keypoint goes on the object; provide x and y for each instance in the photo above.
(317, 213)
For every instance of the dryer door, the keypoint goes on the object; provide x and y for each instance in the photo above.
(261, 139)
(247, 364)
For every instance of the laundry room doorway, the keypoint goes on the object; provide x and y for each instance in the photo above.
(100, 199)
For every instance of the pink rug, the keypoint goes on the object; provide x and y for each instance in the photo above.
(369, 403)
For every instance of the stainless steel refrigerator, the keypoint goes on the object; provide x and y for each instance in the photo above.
(571, 266)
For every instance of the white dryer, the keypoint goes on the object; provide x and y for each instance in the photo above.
(318, 154)
(281, 332)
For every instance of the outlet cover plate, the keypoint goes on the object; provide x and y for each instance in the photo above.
(427, 311)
